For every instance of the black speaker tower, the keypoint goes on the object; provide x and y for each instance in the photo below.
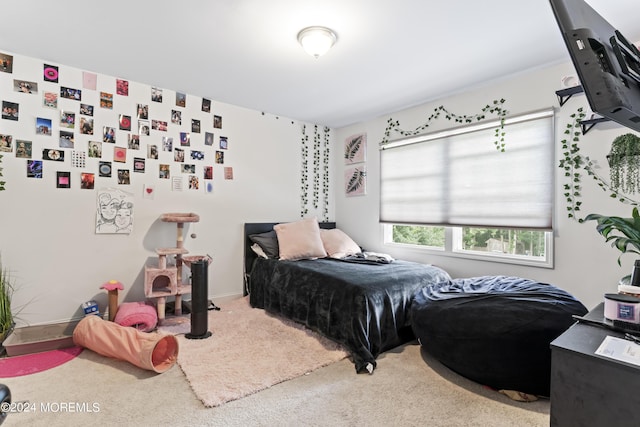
(199, 300)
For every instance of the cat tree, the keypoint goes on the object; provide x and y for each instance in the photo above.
(164, 279)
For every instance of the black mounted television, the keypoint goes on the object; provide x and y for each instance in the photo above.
(608, 65)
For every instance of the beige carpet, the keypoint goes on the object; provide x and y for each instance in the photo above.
(250, 351)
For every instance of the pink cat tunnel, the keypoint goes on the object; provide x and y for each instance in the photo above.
(152, 351)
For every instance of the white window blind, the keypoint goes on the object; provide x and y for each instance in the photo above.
(458, 178)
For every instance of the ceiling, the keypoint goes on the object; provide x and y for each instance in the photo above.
(390, 54)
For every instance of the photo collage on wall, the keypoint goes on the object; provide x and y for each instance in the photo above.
(355, 173)
(87, 131)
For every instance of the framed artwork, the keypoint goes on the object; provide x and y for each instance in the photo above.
(355, 180)
(355, 149)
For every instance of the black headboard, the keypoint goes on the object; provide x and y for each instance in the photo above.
(261, 227)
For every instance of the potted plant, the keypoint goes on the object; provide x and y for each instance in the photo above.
(623, 233)
(6, 293)
(624, 163)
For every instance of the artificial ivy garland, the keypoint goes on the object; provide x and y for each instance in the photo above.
(316, 167)
(325, 175)
(572, 161)
(495, 108)
(304, 181)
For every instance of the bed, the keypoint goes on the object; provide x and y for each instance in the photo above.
(363, 305)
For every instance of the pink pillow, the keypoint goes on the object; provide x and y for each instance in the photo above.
(338, 244)
(300, 240)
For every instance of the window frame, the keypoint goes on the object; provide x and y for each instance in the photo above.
(453, 248)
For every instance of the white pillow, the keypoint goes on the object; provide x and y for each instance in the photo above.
(338, 244)
(300, 240)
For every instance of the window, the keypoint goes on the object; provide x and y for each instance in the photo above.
(453, 191)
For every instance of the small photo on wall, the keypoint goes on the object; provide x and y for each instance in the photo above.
(63, 179)
(67, 139)
(176, 117)
(108, 134)
(106, 100)
(143, 111)
(50, 99)
(181, 99)
(159, 125)
(86, 125)
(124, 122)
(217, 122)
(133, 142)
(10, 110)
(195, 126)
(119, 154)
(224, 143)
(25, 86)
(23, 149)
(164, 171)
(6, 143)
(104, 169)
(178, 155)
(86, 109)
(197, 155)
(95, 149)
(53, 155)
(188, 168)
(78, 159)
(34, 169)
(122, 87)
(206, 105)
(50, 73)
(156, 94)
(124, 177)
(355, 179)
(208, 172)
(185, 139)
(43, 126)
(6, 63)
(87, 181)
(152, 151)
(138, 164)
(67, 119)
(194, 182)
(143, 127)
(70, 93)
(219, 157)
(228, 172)
(89, 80)
(208, 138)
(355, 148)
(167, 143)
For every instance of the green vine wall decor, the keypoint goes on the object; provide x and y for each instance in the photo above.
(321, 155)
(304, 179)
(572, 162)
(496, 108)
(316, 167)
(325, 175)
(624, 163)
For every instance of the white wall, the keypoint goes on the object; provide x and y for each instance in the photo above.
(585, 265)
(47, 235)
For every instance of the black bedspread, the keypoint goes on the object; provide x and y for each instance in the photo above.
(364, 307)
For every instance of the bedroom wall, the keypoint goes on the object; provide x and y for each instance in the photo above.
(585, 265)
(48, 237)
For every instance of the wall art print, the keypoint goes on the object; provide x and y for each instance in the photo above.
(355, 179)
(114, 212)
(355, 149)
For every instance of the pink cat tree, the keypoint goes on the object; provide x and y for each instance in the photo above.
(165, 280)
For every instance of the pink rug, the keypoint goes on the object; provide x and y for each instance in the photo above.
(28, 364)
(250, 351)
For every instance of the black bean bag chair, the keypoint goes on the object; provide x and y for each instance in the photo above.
(494, 330)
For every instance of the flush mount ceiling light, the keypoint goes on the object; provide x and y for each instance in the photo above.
(317, 41)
